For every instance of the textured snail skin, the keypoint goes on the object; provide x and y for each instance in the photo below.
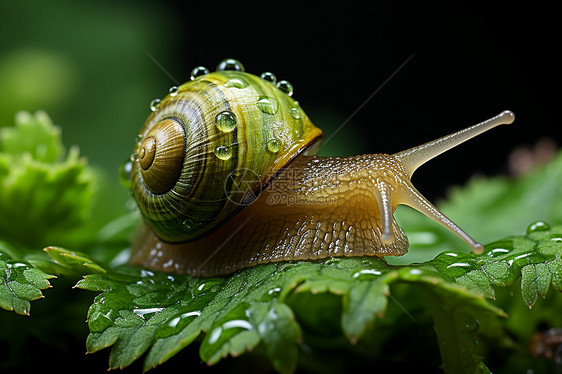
(316, 208)
(310, 207)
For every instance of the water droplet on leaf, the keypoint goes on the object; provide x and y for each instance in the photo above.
(537, 227)
(498, 251)
(556, 238)
(471, 325)
(366, 274)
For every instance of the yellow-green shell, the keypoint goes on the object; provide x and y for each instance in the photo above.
(239, 131)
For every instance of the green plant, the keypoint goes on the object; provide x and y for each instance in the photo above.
(320, 316)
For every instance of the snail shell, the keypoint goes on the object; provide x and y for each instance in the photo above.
(223, 178)
(198, 144)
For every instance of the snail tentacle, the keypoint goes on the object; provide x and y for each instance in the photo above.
(383, 194)
(414, 199)
(415, 157)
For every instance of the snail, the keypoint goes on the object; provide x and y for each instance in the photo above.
(225, 178)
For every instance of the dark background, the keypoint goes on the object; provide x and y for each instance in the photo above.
(469, 63)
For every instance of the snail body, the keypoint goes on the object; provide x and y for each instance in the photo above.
(224, 178)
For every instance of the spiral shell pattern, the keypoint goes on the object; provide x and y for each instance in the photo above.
(210, 146)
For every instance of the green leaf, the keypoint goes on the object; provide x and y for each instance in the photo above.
(456, 321)
(498, 207)
(20, 282)
(32, 135)
(361, 304)
(142, 311)
(43, 196)
(77, 262)
(279, 331)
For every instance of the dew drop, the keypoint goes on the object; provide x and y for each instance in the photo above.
(415, 272)
(230, 64)
(223, 152)
(498, 252)
(366, 274)
(198, 71)
(142, 312)
(125, 173)
(274, 145)
(332, 261)
(187, 224)
(134, 156)
(524, 255)
(139, 138)
(557, 238)
(225, 121)
(471, 325)
(500, 247)
(174, 322)
(155, 104)
(269, 105)
(274, 290)
(146, 273)
(538, 227)
(173, 90)
(270, 77)
(286, 87)
(295, 113)
(271, 294)
(458, 264)
(236, 83)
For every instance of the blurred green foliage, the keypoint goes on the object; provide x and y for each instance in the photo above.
(95, 67)
(88, 65)
(45, 193)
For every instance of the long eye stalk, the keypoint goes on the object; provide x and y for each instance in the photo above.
(415, 157)
(412, 158)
